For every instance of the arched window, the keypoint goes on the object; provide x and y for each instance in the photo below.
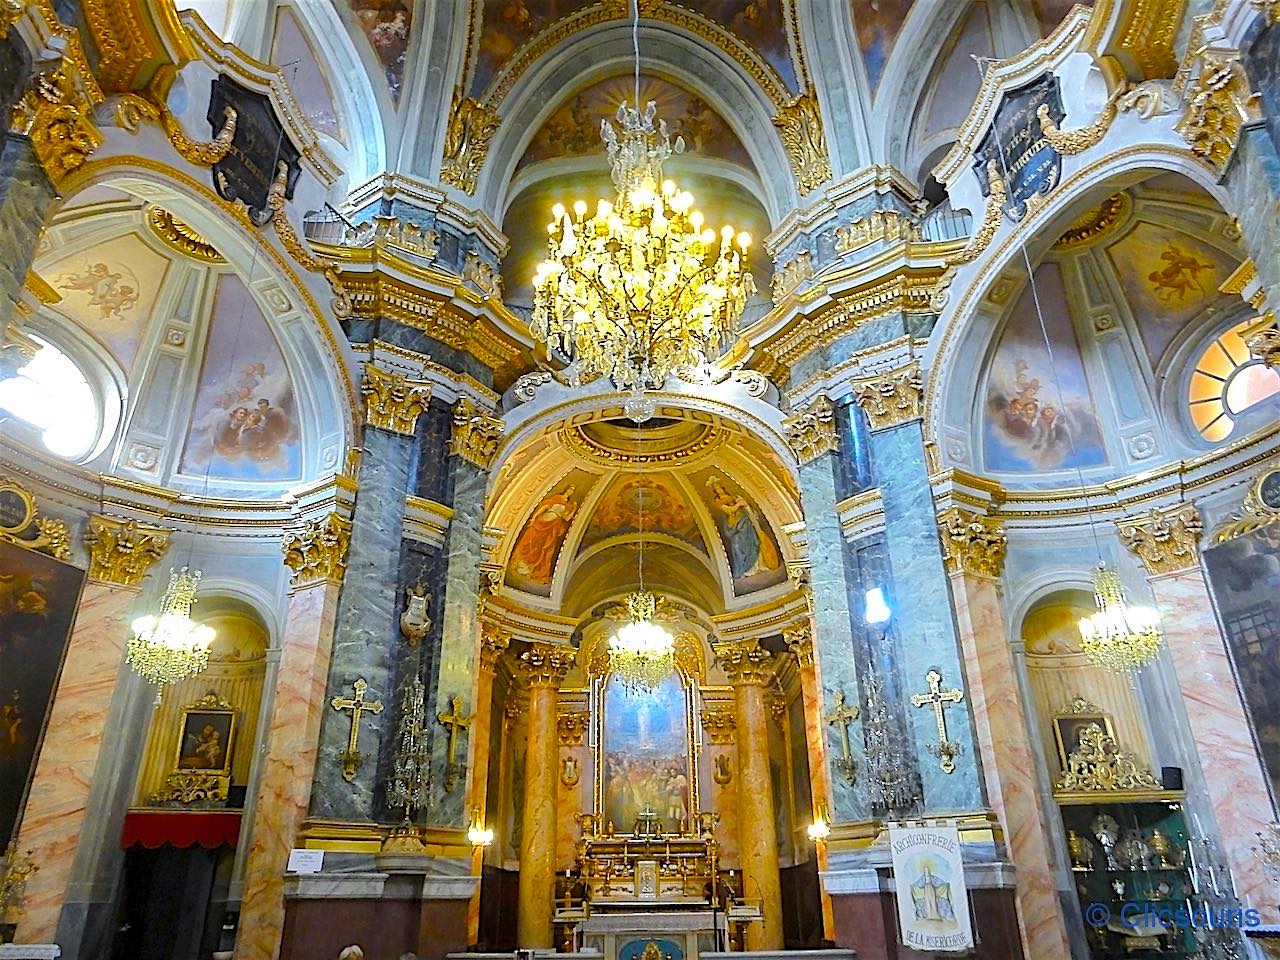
(53, 396)
(1228, 380)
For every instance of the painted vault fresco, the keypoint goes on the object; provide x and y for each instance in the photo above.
(760, 24)
(532, 565)
(654, 500)
(1051, 12)
(1028, 427)
(307, 79)
(755, 561)
(877, 23)
(386, 23)
(245, 424)
(509, 23)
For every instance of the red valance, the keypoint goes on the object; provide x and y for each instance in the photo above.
(181, 828)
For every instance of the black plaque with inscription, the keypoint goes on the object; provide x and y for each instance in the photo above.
(245, 174)
(1029, 165)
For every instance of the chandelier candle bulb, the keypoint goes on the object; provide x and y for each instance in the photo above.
(169, 647)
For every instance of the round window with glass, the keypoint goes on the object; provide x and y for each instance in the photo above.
(1228, 380)
(51, 395)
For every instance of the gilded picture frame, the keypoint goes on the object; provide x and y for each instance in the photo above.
(206, 737)
(1073, 718)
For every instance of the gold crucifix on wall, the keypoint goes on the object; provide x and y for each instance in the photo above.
(841, 716)
(455, 721)
(945, 750)
(357, 705)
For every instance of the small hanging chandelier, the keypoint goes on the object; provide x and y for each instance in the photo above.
(167, 648)
(640, 289)
(641, 653)
(1120, 637)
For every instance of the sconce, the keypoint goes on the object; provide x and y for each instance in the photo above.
(478, 833)
(820, 829)
(414, 622)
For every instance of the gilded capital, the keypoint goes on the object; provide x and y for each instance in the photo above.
(800, 642)
(57, 114)
(891, 398)
(392, 401)
(121, 551)
(546, 664)
(745, 662)
(476, 436)
(971, 543)
(571, 728)
(318, 550)
(812, 431)
(1166, 541)
(1218, 103)
(494, 641)
(799, 125)
(718, 723)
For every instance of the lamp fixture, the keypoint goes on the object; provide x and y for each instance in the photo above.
(169, 647)
(876, 608)
(478, 834)
(819, 830)
(1120, 636)
(641, 653)
(640, 289)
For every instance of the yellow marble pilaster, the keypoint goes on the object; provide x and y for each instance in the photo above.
(493, 642)
(120, 555)
(544, 667)
(749, 667)
(316, 553)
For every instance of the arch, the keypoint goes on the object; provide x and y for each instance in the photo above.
(669, 53)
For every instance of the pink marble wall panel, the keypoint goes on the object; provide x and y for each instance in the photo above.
(56, 806)
(293, 733)
(1232, 769)
(1008, 763)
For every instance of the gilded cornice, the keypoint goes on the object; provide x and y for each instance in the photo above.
(122, 551)
(317, 550)
(745, 662)
(1254, 512)
(972, 544)
(476, 436)
(891, 397)
(1165, 540)
(392, 401)
(1144, 38)
(811, 432)
(178, 235)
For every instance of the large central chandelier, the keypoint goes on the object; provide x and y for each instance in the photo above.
(641, 653)
(642, 288)
(169, 647)
(1120, 636)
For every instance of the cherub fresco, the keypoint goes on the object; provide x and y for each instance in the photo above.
(1179, 275)
(251, 421)
(103, 286)
(386, 23)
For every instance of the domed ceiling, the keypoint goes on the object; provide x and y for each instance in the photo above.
(711, 505)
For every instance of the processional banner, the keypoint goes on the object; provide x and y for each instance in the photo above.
(928, 877)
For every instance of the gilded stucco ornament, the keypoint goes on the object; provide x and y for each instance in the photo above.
(1070, 142)
(10, 13)
(181, 236)
(799, 640)
(20, 525)
(788, 277)
(799, 124)
(889, 226)
(1165, 540)
(971, 543)
(718, 724)
(276, 199)
(890, 398)
(745, 662)
(993, 212)
(476, 436)
(1098, 765)
(56, 113)
(1260, 507)
(1218, 102)
(318, 549)
(571, 728)
(494, 642)
(466, 142)
(122, 551)
(546, 664)
(1262, 337)
(812, 431)
(392, 401)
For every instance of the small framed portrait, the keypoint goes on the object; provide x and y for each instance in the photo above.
(207, 736)
(1070, 721)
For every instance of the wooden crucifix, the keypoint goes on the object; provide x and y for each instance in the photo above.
(841, 717)
(945, 750)
(455, 721)
(357, 705)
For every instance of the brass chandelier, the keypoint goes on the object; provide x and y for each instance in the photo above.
(168, 647)
(641, 653)
(1120, 636)
(642, 288)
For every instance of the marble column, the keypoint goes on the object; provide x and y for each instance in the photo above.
(317, 555)
(1167, 543)
(369, 603)
(924, 622)
(811, 433)
(493, 642)
(544, 667)
(975, 549)
(120, 554)
(749, 668)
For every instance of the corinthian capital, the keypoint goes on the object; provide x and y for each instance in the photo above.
(812, 431)
(493, 643)
(318, 549)
(476, 436)
(546, 664)
(121, 551)
(971, 543)
(392, 401)
(891, 398)
(1166, 541)
(799, 641)
(745, 662)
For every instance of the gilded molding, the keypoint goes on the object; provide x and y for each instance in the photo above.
(719, 723)
(1148, 35)
(1165, 540)
(1254, 512)
(799, 641)
(972, 544)
(1096, 223)
(466, 141)
(276, 200)
(392, 401)
(571, 728)
(890, 398)
(494, 642)
(1218, 103)
(812, 431)
(180, 236)
(546, 664)
(318, 550)
(476, 436)
(122, 551)
(50, 535)
(799, 124)
(1243, 282)
(745, 662)
(1070, 142)
(56, 113)
(1098, 765)
(790, 275)
(887, 225)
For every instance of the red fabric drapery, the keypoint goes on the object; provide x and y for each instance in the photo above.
(180, 828)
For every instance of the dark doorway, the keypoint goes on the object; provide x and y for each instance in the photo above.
(174, 901)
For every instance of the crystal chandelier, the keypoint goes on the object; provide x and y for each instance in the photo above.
(641, 653)
(167, 648)
(642, 288)
(1119, 637)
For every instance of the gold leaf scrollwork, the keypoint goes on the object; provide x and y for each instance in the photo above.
(122, 551)
(476, 436)
(201, 153)
(971, 543)
(1099, 765)
(812, 431)
(276, 198)
(318, 550)
(1255, 511)
(392, 401)
(1217, 105)
(56, 113)
(992, 213)
(1070, 142)
(466, 143)
(1166, 541)
(799, 124)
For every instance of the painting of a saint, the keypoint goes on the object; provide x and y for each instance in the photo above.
(654, 499)
(931, 896)
(534, 557)
(754, 559)
(386, 23)
(646, 756)
(206, 741)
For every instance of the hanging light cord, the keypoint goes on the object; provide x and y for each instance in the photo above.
(635, 46)
(640, 511)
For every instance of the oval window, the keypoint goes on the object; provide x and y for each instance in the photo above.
(52, 394)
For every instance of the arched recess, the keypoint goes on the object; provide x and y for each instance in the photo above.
(680, 57)
(313, 348)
